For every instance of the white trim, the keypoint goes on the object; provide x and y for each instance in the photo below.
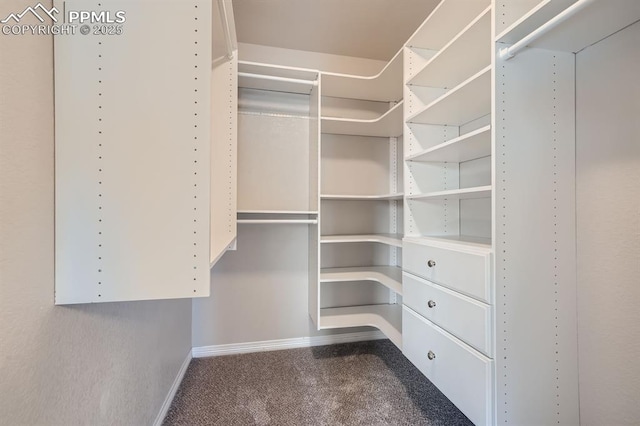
(276, 345)
(172, 391)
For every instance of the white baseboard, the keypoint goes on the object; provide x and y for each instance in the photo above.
(276, 345)
(172, 391)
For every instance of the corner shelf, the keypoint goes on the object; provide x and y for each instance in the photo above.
(394, 240)
(468, 52)
(454, 194)
(389, 276)
(387, 125)
(382, 197)
(386, 86)
(386, 318)
(466, 102)
(472, 145)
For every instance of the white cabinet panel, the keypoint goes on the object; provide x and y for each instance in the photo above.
(132, 158)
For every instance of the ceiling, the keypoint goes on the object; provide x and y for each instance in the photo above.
(374, 29)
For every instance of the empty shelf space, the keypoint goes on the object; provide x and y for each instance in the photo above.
(385, 86)
(467, 53)
(387, 125)
(455, 194)
(349, 197)
(389, 276)
(453, 242)
(253, 75)
(386, 318)
(394, 240)
(475, 144)
(468, 101)
(446, 20)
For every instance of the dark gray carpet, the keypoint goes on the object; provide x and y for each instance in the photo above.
(368, 383)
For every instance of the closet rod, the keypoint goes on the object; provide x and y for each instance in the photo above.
(225, 27)
(510, 52)
(276, 78)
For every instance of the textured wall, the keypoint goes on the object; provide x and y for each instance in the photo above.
(88, 364)
(608, 197)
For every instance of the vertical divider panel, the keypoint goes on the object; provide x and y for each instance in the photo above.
(133, 124)
(314, 202)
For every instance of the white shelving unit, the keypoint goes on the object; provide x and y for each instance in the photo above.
(468, 101)
(387, 125)
(472, 145)
(386, 86)
(386, 318)
(394, 240)
(389, 276)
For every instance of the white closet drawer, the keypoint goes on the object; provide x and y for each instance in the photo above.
(467, 271)
(460, 372)
(462, 316)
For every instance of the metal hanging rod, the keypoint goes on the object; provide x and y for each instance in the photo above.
(226, 28)
(510, 52)
(276, 78)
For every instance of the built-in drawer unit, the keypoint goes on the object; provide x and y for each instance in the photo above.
(465, 269)
(459, 371)
(462, 316)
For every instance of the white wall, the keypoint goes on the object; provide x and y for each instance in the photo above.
(88, 364)
(608, 201)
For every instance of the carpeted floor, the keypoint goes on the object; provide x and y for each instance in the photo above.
(368, 383)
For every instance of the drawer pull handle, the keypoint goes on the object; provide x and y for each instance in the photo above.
(431, 355)
(431, 304)
(431, 263)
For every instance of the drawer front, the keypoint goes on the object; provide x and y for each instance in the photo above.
(466, 272)
(461, 316)
(462, 374)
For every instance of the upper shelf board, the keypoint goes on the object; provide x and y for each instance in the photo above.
(386, 86)
(455, 194)
(472, 145)
(277, 78)
(588, 26)
(466, 102)
(394, 240)
(387, 125)
(348, 197)
(463, 56)
(446, 20)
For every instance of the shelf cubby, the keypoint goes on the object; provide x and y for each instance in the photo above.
(466, 102)
(463, 56)
(389, 276)
(472, 145)
(387, 125)
(386, 318)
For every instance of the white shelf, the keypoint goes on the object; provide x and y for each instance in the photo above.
(446, 20)
(467, 53)
(389, 276)
(454, 242)
(386, 86)
(476, 144)
(278, 78)
(349, 197)
(455, 194)
(278, 221)
(386, 318)
(394, 240)
(466, 102)
(387, 125)
(283, 212)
